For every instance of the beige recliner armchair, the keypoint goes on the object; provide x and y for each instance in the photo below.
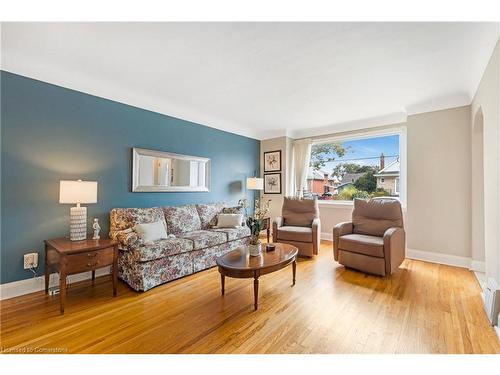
(299, 225)
(374, 242)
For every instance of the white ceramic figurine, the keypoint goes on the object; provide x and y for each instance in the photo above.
(97, 229)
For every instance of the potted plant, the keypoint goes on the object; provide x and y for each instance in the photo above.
(256, 224)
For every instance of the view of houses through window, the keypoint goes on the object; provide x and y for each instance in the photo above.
(355, 168)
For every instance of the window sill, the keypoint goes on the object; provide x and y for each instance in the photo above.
(339, 204)
(345, 205)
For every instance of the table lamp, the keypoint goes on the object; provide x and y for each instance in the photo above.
(78, 192)
(255, 183)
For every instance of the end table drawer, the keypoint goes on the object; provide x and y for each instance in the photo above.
(90, 260)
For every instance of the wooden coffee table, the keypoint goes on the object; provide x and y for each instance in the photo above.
(239, 264)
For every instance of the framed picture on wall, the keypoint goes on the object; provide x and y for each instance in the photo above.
(272, 183)
(272, 161)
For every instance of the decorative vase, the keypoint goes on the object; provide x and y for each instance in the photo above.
(255, 250)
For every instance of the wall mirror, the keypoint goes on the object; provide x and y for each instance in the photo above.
(158, 171)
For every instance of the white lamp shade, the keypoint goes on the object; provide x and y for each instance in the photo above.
(254, 183)
(78, 191)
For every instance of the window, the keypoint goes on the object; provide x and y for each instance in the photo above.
(360, 166)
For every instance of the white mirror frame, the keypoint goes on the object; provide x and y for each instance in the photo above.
(136, 152)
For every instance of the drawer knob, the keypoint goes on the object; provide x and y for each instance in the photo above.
(90, 255)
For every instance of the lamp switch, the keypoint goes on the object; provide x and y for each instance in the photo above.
(30, 260)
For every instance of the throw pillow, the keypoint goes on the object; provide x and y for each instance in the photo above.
(236, 210)
(152, 231)
(229, 220)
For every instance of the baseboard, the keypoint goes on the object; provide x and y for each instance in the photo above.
(481, 279)
(432, 257)
(428, 256)
(327, 236)
(476, 265)
(36, 284)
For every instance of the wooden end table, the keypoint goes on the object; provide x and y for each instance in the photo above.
(239, 264)
(70, 257)
(267, 227)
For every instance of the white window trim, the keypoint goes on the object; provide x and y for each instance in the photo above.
(334, 203)
(399, 130)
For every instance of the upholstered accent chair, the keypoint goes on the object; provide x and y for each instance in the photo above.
(299, 225)
(374, 242)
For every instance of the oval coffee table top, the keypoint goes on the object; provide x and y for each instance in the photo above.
(240, 259)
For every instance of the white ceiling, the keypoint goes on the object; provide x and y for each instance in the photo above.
(261, 79)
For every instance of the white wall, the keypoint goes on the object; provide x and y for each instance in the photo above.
(477, 187)
(285, 145)
(332, 214)
(487, 100)
(438, 182)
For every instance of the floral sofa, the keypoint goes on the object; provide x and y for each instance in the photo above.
(194, 245)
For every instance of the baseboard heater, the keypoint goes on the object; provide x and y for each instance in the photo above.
(492, 301)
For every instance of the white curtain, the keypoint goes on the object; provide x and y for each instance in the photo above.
(301, 159)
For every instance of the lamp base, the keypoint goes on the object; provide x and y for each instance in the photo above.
(78, 223)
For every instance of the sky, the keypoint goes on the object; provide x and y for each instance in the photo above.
(368, 148)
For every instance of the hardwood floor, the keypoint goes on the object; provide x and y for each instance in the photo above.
(423, 308)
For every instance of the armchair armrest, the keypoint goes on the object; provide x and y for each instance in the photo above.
(277, 222)
(316, 235)
(339, 230)
(394, 248)
(126, 238)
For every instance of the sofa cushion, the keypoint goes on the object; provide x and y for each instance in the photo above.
(205, 238)
(124, 218)
(161, 248)
(234, 233)
(375, 216)
(362, 244)
(208, 214)
(299, 212)
(292, 233)
(182, 219)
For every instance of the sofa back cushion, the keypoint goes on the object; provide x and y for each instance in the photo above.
(124, 218)
(182, 219)
(208, 214)
(299, 212)
(375, 216)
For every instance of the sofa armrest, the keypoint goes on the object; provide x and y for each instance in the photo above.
(394, 248)
(341, 229)
(126, 238)
(277, 222)
(316, 235)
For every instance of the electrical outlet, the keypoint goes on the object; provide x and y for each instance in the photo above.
(30, 260)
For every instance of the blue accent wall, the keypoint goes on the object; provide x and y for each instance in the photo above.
(49, 133)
